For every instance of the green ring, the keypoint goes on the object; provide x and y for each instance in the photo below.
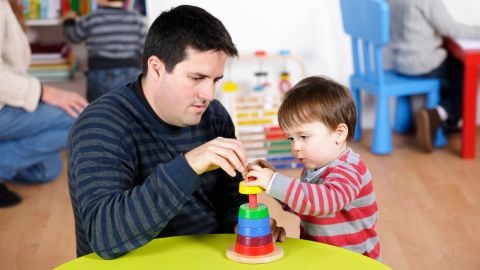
(253, 213)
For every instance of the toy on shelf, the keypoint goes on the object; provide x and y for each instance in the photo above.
(229, 86)
(257, 128)
(254, 240)
(284, 84)
(261, 75)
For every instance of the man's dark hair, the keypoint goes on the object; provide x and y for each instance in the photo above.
(185, 27)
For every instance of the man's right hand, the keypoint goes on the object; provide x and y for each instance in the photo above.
(224, 153)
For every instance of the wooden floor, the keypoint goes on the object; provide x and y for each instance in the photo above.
(429, 212)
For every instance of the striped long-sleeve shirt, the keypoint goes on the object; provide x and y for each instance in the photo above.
(114, 37)
(129, 181)
(337, 206)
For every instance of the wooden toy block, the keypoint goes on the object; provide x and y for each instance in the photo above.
(246, 212)
(254, 251)
(254, 232)
(243, 189)
(254, 223)
(254, 241)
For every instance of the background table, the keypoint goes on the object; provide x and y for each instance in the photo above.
(208, 252)
(471, 61)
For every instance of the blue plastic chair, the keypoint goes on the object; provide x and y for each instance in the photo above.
(368, 24)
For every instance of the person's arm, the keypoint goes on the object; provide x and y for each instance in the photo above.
(437, 14)
(227, 199)
(75, 30)
(340, 187)
(117, 213)
(72, 103)
(16, 89)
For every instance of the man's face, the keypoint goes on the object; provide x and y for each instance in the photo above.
(182, 96)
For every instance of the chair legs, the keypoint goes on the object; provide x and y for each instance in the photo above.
(358, 104)
(403, 115)
(382, 134)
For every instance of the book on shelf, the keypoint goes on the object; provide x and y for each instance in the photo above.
(54, 9)
(52, 62)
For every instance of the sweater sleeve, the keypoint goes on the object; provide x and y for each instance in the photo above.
(439, 17)
(116, 214)
(74, 31)
(340, 186)
(17, 88)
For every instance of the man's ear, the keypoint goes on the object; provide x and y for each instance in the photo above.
(341, 133)
(156, 68)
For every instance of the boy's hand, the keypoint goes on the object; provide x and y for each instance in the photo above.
(69, 15)
(264, 164)
(263, 175)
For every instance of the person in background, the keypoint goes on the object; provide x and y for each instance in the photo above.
(114, 39)
(418, 28)
(334, 197)
(35, 118)
(158, 157)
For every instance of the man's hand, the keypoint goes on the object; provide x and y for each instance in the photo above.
(227, 154)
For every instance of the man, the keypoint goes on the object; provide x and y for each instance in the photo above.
(159, 157)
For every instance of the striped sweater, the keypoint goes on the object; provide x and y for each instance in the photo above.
(114, 37)
(129, 181)
(336, 207)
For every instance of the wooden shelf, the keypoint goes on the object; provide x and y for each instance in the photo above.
(43, 22)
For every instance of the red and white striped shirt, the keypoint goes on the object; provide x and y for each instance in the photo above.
(336, 207)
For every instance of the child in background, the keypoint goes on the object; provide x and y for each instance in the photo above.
(114, 40)
(334, 196)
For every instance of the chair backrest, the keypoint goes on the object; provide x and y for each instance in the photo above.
(368, 24)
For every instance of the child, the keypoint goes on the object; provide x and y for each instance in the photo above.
(334, 196)
(114, 40)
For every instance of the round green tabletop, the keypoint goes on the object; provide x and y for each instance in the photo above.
(209, 252)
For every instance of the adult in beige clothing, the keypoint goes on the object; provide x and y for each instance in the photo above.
(34, 119)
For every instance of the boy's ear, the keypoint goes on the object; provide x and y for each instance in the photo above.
(156, 68)
(341, 133)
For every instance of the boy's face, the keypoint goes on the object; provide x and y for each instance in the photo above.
(182, 96)
(314, 144)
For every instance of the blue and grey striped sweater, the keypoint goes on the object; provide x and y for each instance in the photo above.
(114, 37)
(130, 183)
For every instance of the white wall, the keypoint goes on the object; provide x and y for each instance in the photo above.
(310, 29)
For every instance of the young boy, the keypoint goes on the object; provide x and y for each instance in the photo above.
(114, 40)
(334, 196)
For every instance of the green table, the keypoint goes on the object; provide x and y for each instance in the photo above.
(208, 252)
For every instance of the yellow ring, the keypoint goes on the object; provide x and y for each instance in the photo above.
(243, 189)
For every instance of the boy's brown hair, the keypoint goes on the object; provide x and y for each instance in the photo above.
(318, 98)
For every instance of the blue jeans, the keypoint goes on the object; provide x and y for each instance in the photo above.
(100, 81)
(30, 143)
(450, 73)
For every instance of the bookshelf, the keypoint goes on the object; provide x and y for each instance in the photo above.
(44, 21)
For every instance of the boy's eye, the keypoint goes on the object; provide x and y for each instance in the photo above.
(303, 137)
(289, 138)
